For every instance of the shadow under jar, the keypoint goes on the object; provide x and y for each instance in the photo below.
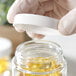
(39, 58)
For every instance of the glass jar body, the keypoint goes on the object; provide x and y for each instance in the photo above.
(39, 58)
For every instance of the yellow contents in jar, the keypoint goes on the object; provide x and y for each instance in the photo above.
(4, 63)
(41, 64)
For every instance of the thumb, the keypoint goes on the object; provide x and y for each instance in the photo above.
(67, 24)
(21, 6)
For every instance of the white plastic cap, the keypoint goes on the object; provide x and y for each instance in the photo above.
(36, 23)
(5, 47)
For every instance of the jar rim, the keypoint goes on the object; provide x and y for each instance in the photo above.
(59, 50)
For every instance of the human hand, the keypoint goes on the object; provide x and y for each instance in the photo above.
(53, 8)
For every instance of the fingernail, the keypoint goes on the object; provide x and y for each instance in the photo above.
(38, 36)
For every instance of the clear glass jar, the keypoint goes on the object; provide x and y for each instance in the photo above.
(39, 58)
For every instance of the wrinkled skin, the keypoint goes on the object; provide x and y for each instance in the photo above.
(64, 10)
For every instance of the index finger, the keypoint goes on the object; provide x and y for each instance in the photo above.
(21, 6)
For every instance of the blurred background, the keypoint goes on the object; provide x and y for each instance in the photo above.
(9, 39)
(6, 29)
(4, 7)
